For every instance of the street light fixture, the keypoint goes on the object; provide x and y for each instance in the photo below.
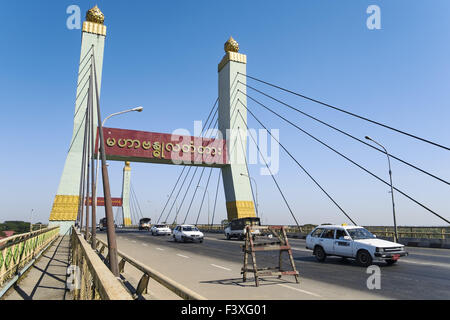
(392, 188)
(256, 190)
(208, 199)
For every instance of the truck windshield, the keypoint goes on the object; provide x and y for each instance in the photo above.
(190, 229)
(360, 233)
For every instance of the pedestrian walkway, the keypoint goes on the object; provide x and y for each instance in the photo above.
(46, 280)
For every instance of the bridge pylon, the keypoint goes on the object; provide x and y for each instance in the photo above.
(233, 126)
(65, 205)
(126, 194)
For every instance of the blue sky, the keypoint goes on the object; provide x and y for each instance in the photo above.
(163, 55)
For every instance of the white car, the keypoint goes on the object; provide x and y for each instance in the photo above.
(352, 242)
(237, 228)
(160, 229)
(186, 232)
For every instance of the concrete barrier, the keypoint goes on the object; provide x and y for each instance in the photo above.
(96, 281)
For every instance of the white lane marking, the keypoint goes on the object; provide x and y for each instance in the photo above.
(411, 253)
(159, 249)
(300, 290)
(145, 245)
(214, 265)
(300, 249)
(443, 265)
(134, 241)
(239, 242)
(180, 255)
(125, 238)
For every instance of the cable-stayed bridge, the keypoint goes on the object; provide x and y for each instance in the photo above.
(106, 264)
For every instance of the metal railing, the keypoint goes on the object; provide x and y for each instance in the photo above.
(93, 280)
(380, 231)
(148, 273)
(19, 250)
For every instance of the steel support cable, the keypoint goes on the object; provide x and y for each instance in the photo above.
(195, 171)
(132, 212)
(348, 112)
(184, 197)
(215, 200)
(88, 156)
(82, 78)
(82, 177)
(204, 194)
(271, 174)
(81, 103)
(356, 164)
(187, 173)
(168, 199)
(79, 127)
(78, 95)
(304, 170)
(178, 193)
(181, 173)
(82, 60)
(345, 133)
(193, 195)
(133, 203)
(136, 199)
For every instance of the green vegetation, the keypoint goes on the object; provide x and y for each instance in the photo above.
(17, 226)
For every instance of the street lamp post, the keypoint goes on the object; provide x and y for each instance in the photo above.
(392, 188)
(256, 191)
(138, 109)
(31, 226)
(112, 245)
(208, 199)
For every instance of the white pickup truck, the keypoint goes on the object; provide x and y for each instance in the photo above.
(352, 242)
(236, 228)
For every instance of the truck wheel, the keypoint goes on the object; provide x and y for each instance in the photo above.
(320, 254)
(391, 262)
(175, 239)
(364, 258)
(228, 236)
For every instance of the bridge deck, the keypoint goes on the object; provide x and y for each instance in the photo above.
(46, 280)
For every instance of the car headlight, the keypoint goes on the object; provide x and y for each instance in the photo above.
(380, 249)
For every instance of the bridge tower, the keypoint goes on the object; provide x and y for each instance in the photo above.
(233, 125)
(65, 205)
(126, 194)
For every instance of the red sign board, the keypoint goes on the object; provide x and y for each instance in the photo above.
(142, 146)
(116, 202)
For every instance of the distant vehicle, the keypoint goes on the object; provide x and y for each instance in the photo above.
(144, 224)
(160, 229)
(236, 228)
(102, 225)
(186, 233)
(352, 242)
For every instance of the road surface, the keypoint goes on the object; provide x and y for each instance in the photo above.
(212, 269)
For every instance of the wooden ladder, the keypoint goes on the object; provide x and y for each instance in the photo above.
(281, 245)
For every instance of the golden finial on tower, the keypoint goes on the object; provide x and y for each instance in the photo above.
(95, 15)
(231, 45)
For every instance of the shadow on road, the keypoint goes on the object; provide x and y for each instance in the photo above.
(249, 283)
